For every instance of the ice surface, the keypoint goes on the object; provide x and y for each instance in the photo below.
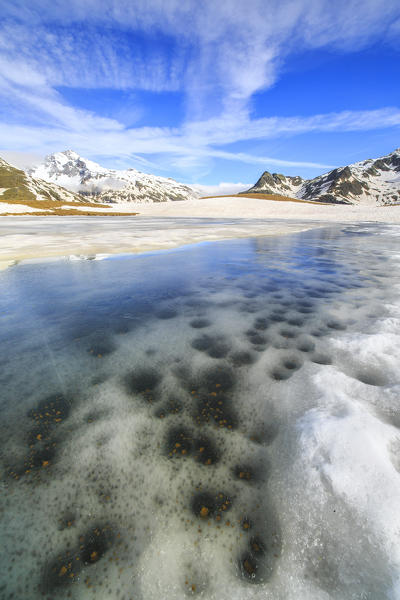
(29, 238)
(220, 421)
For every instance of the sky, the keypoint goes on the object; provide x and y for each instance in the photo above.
(210, 93)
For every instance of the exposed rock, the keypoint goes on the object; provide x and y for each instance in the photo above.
(20, 188)
(93, 181)
(373, 182)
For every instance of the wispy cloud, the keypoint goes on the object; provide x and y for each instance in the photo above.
(218, 54)
(102, 137)
(222, 189)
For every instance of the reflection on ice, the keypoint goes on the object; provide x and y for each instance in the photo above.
(220, 421)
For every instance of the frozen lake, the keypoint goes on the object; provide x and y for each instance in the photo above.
(217, 421)
(34, 238)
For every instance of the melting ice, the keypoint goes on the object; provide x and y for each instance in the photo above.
(220, 421)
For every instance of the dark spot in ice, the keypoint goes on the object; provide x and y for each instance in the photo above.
(371, 378)
(95, 544)
(242, 358)
(41, 457)
(99, 379)
(122, 326)
(143, 382)
(257, 339)
(246, 473)
(305, 310)
(215, 407)
(270, 287)
(167, 313)
(205, 451)
(67, 521)
(280, 374)
(291, 363)
(257, 562)
(43, 438)
(210, 391)
(61, 572)
(305, 346)
(200, 323)
(277, 317)
(248, 567)
(305, 304)
(49, 410)
(100, 345)
(179, 442)
(261, 324)
(337, 325)
(172, 407)
(249, 308)
(214, 347)
(257, 546)
(206, 505)
(66, 568)
(246, 524)
(221, 378)
(288, 333)
(281, 343)
(319, 332)
(295, 321)
(218, 350)
(198, 303)
(203, 505)
(321, 359)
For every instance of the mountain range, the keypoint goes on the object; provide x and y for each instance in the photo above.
(372, 182)
(65, 182)
(93, 181)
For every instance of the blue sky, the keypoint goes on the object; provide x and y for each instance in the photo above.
(205, 92)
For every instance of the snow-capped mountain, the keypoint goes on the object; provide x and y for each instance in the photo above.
(370, 182)
(19, 187)
(108, 185)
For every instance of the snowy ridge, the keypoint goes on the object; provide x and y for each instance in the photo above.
(18, 185)
(369, 182)
(108, 185)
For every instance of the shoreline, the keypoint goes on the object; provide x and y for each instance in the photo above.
(31, 239)
(239, 206)
(170, 225)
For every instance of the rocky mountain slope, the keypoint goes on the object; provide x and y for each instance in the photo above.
(370, 182)
(108, 185)
(17, 187)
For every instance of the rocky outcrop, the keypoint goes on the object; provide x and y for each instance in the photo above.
(17, 187)
(373, 182)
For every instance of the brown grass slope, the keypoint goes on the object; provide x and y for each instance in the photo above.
(275, 197)
(51, 199)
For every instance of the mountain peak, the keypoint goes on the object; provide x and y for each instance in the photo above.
(371, 182)
(21, 189)
(70, 153)
(63, 156)
(88, 178)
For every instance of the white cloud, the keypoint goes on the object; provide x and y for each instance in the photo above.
(235, 46)
(186, 147)
(22, 160)
(217, 53)
(222, 189)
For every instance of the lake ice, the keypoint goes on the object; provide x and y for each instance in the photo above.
(219, 421)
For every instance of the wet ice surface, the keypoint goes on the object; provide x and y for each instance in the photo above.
(32, 238)
(220, 421)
